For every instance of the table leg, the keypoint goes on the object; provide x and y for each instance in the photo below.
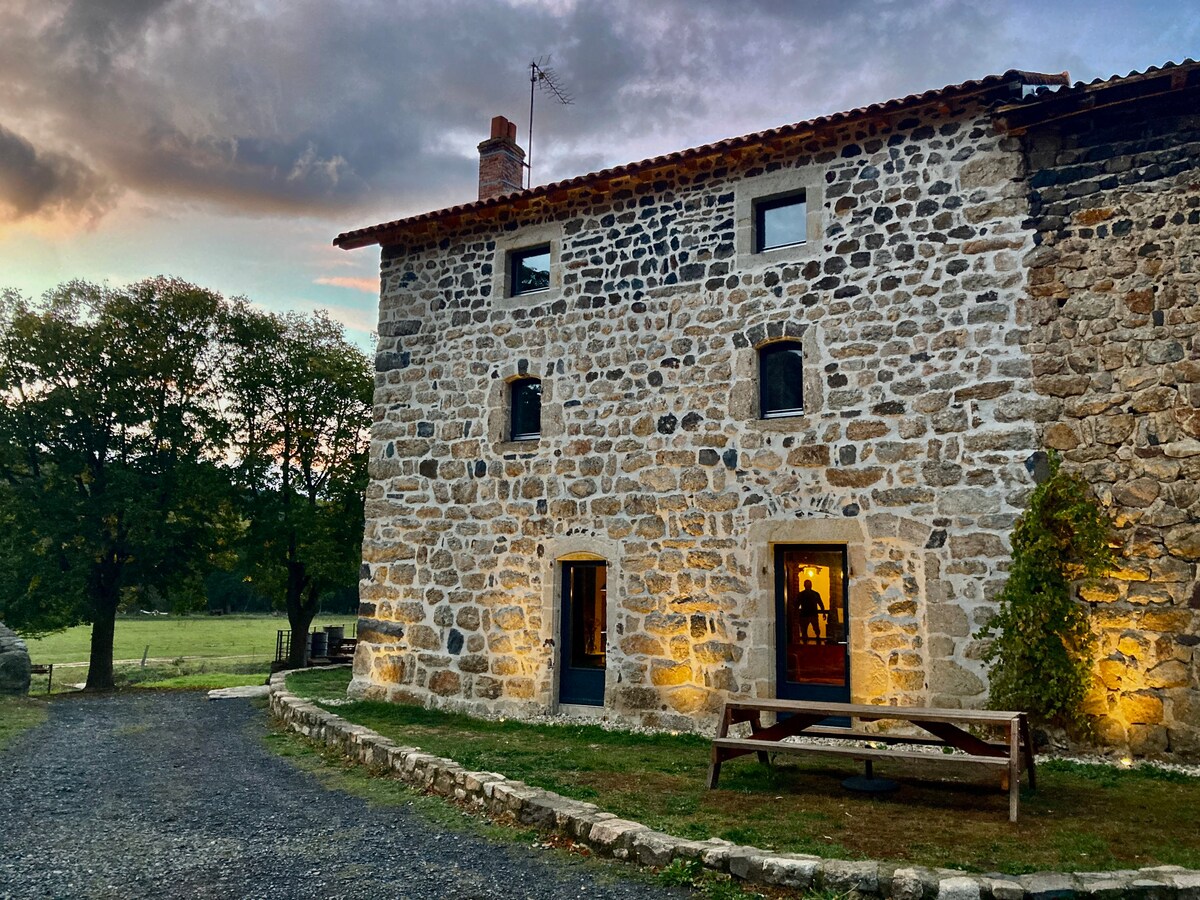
(1014, 770)
(714, 768)
(714, 765)
(1029, 762)
(755, 727)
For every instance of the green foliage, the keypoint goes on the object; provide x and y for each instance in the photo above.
(713, 885)
(154, 433)
(108, 482)
(299, 403)
(1041, 646)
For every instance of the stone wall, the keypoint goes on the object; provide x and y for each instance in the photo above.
(14, 663)
(911, 451)
(585, 823)
(1115, 343)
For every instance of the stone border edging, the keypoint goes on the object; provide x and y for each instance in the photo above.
(610, 836)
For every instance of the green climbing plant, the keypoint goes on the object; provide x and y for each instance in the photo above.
(1041, 646)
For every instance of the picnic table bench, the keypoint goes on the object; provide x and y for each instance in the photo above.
(944, 728)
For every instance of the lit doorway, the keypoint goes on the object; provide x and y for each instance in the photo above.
(584, 632)
(811, 636)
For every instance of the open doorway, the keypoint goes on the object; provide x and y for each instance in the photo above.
(584, 632)
(812, 650)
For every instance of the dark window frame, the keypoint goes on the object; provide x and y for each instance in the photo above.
(518, 430)
(767, 409)
(516, 257)
(764, 205)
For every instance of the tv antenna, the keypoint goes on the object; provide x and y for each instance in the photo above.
(541, 75)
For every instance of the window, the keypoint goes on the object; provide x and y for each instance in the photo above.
(525, 410)
(780, 380)
(529, 270)
(780, 222)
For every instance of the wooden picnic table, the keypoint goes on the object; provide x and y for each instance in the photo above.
(943, 728)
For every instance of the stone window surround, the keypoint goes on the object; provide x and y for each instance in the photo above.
(744, 389)
(835, 532)
(522, 238)
(770, 186)
(498, 412)
(574, 548)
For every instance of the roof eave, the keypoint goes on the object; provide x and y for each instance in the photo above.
(392, 232)
(1037, 111)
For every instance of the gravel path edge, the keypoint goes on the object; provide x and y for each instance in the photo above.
(611, 836)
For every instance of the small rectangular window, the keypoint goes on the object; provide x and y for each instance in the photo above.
(780, 380)
(529, 270)
(780, 222)
(525, 405)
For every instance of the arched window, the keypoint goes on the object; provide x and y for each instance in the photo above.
(525, 409)
(780, 380)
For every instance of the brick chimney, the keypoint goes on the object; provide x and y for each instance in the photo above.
(501, 161)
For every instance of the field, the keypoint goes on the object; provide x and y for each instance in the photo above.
(184, 652)
(172, 637)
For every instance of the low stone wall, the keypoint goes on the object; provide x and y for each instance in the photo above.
(618, 838)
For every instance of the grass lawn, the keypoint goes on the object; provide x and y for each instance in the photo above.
(169, 637)
(18, 714)
(177, 674)
(1080, 818)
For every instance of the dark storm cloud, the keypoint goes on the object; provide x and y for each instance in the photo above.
(317, 107)
(33, 181)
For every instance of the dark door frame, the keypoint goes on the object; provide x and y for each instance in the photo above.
(577, 686)
(791, 690)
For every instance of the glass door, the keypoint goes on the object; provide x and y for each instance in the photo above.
(584, 632)
(812, 651)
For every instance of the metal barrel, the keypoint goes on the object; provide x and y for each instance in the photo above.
(320, 644)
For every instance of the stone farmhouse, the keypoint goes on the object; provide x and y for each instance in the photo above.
(756, 418)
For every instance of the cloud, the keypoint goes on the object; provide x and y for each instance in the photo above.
(353, 112)
(33, 181)
(366, 285)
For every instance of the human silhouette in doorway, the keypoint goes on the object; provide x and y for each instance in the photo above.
(810, 606)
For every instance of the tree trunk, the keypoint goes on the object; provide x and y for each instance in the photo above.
(100, 666)
(300, 616)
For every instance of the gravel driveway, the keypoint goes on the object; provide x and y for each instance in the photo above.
(171, 795)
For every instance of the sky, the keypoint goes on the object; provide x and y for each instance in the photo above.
(228, 142)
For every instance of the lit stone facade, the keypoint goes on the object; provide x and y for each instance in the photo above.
(939, 361)
(1115, 340)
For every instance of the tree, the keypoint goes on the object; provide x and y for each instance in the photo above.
(299, 401)
(110, 433)
(1041, 645)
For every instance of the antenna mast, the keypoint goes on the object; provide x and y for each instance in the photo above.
(541, 75)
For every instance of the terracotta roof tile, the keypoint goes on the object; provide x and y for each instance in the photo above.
(377, 234)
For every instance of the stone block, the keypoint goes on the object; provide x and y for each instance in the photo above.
(612, 834)
(14, 663)
(1048, 886)
(948, 677)
(959, 887)
(790, 870)
(846, 876)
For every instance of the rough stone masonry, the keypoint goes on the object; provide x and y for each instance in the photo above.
(970, 293)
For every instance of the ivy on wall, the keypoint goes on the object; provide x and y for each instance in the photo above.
(1040, 654)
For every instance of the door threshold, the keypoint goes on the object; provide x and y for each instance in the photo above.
(582, 711)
